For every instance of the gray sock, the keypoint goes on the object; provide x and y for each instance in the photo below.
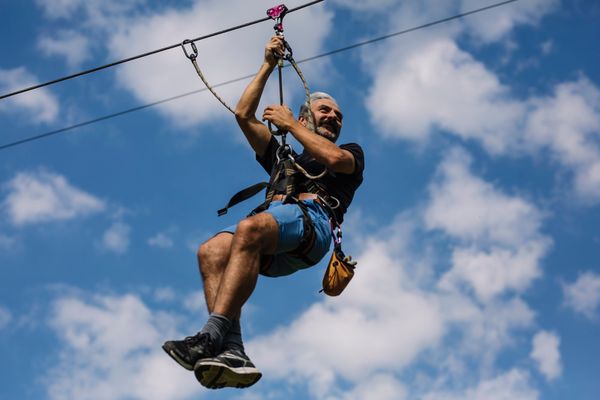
(233, 339)
(217, 327)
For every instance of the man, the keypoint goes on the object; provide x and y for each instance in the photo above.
(265, 243)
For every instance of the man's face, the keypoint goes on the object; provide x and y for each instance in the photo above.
(327, 118)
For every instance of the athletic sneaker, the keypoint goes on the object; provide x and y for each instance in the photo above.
(189, 350)
(231, 368)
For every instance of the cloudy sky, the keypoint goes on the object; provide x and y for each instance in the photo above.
(476, 230)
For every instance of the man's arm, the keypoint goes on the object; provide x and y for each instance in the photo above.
(257, 134)
(323, 150)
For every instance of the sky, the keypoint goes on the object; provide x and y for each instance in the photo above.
(475, 229)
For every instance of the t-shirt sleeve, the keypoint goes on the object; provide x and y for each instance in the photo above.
(359, 157)
(267, 161)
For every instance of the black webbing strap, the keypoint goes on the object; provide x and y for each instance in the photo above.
(282, 181)
(242, 195)
(308, 238)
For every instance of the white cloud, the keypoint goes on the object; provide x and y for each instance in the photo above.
(127, 29)
(393, 316)
(547, 47)
(112, 351)
(486, 329)
(432, 86)
(161, 240)
(374, 6)
(410, 319)
(73, 46)
(469, 208)
(60, 8)
(195, 302)
(380, 387)
(373, 312)
(500, 244)
(439, 86)
(116, 238)
(546, 354)
(40, 106)
(164, 294)
(42, 196)
(221, 58)
(515, 384)
(583, 295)
(567, 124)
(485, 27)
(91, 13)
(490, 273)
(5, 317)
(496, 24)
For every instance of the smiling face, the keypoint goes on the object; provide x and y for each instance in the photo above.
(327, 117)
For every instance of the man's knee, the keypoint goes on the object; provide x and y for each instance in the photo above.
(214, 253)
(259, 232)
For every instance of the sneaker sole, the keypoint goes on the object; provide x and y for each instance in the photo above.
(216, 376)
(174, 356)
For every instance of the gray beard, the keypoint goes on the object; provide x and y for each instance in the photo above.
(327, 135)
(310, 124)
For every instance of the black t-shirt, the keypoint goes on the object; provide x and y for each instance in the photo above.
(341, 186)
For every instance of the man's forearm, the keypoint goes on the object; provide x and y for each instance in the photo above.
(248, 103)
(321, 149)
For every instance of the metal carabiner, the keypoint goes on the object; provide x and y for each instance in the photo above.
(283, 151)
(337, 203)
(290, 54)
(336, 232)
(278, 132)
(191, 56)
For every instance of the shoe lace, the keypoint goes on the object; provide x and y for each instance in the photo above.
(198, 338)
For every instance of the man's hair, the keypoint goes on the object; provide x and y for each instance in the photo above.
(305, 108)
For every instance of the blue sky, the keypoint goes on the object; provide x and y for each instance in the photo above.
(475, 229)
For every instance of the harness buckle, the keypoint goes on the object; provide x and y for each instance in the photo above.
(194, 53)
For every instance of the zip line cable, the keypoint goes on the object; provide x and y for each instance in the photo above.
(409, 30)
(326, 54)
(118, 114)
(89, 71)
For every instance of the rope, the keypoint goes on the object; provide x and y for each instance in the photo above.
(193, 58)
(89, 71)
(305, 173)
(201, 75)
(193, 55)
(326, 54)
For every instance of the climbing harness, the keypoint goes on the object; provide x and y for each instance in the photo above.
(288, 178)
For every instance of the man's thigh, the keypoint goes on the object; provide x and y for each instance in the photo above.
(290, 231)
(285, 219)
(291, 225)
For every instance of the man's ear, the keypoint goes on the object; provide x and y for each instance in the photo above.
(303, 120)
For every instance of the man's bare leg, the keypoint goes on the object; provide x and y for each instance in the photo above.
(213, 256)
(254, 236)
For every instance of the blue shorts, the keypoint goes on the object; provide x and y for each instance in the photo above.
(289, 218)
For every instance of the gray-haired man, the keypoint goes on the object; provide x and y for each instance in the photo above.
(267, 243)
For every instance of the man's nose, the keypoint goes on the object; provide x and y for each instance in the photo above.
(330, 115)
